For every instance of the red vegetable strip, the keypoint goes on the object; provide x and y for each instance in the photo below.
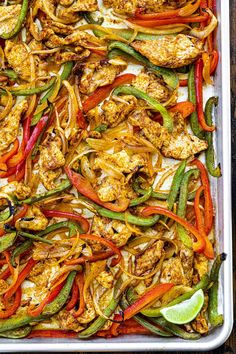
(8, 173)
(80, 281)
(103, 92)
(5, 157)
(21, 213)
(52, 333)
(74, 297)
(214, 61)
(183, 83)
(19, 174)
(102, 53)
(199, 98)
(184, 108)
(81, 122)
(36, 311)
(22, 276)
(207, 195)
(5, 274)
(208, 251)
(13, 308)
(63, 214)
(197, 246)
(151, 295)
(170, 21)
(85, 188)
(106, 243)
(98, 257)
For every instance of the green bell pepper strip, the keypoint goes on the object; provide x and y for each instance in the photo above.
(143, 322)
(196, 128)
(101, 128)
(210, 154)
(182, 205)
(155, 312)
(64, 76)
(142, 199)
(9, 73)
(215, 318)
(34, 237)
(7, 241)
(175, 185)
(36, 198)
(169, 76)
(5, 215)
(175, 329)
(73, 229)
(131, 90)
(114, 53)
(49, 310)
(33, 90)
(17, 333)
(88, 16)
(21, 18)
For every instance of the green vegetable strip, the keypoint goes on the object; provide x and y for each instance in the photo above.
(32, 91)
(130, 90)
(197, 130)
(34, 237)
(182, 205)
(175, 329)
(169, 76)
(64, 185)
(203, 284)
(88, 16)
(210, 154)
(215, 318)
(65, 74)
(17, 333)
(9, 73)
(175, 185)
(142, 199)
(21, 18)
(7, 241)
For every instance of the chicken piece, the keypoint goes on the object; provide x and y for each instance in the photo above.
(173, 272)
(170, 51)
(67, 321)
(37, 221)
(50, 160)
(116, 111)
(43, 273)
(153, 131)
(200, 324)
(200, 264)
(105, 279)
(76, 37)
(61, 58)
(82, 5)
(114, 230)
(147, 260)
(109, 189)
(126, 7)
(120, 161)
(8, 17)
(18, 189)
(181, 144)
(186, 257)
(57, 250)
(99, 74)
(153, 86)
(9, 127)
(66, 3)
(89, 314)
(18, 58)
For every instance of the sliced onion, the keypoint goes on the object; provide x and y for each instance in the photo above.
(203, 33)
(163, 30)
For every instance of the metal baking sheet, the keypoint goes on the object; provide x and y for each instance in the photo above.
(222, 200)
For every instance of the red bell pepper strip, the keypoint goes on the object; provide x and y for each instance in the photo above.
(208, 213)
(19, 174)
(170, 21)
(103, 92)
(13, 308)
(85, 188)
(64, 214)
(98, 257)
(208, 251)
(106, 243)
(183, 83)
(52, 333)
(74, 297)
(3, 261)
(81, 122)
(199, 245)
(154, 293)
(11, 171)
(80, 281)
(22, 276)
(3, 167)
(185, 108)
(199, 99)
(36, 311)
(187, 10)
(214, 61)
(5, 274)
(101, 53)
(5, 157)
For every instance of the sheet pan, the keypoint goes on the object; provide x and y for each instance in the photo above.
(222, 199)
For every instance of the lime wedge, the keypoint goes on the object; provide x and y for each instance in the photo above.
(186, 311)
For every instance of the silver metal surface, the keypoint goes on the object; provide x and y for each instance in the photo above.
(223, 235)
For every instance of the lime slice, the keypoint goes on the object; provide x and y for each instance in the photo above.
(186, 311)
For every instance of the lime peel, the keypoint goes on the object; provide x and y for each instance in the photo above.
(186, 311)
